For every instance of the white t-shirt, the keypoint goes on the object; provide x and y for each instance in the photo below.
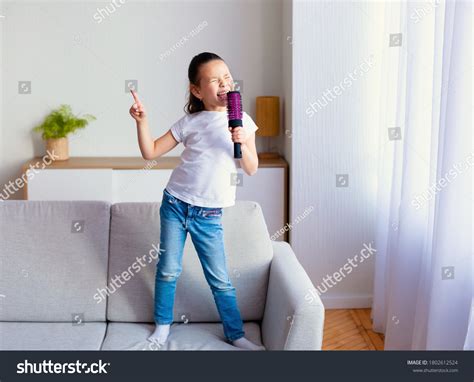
(206, 175)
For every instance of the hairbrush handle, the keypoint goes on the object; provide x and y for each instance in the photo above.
(237, 151)
(234, 115)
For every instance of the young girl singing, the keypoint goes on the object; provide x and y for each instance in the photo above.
(197, 191)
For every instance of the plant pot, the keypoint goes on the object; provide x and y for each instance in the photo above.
(59, 146)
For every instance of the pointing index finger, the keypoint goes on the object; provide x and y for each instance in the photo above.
(135, 97)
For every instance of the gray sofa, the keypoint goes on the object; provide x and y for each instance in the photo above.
(79, 275)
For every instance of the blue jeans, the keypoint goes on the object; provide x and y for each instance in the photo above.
(205, 227)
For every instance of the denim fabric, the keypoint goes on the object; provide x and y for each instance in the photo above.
(205, 227)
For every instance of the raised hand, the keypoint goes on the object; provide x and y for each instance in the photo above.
(137, 111)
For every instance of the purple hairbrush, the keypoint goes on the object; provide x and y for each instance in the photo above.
(234, 115)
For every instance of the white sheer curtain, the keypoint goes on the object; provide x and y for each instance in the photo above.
(423, 287)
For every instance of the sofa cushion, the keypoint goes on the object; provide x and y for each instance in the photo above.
(190, 336)
(51, 336)
(53, 257)
(135, 230)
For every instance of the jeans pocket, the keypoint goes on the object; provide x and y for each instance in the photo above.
(168, 197)
(211, 213)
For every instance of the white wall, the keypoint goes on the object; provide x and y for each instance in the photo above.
(72, 58)
(331, 40)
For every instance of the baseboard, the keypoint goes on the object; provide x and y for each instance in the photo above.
(346, 302)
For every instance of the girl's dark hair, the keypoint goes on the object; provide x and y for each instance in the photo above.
(194, 104)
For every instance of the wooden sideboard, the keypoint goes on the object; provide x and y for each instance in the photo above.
(133, 179)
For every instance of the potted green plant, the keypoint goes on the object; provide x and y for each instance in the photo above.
(57, 125)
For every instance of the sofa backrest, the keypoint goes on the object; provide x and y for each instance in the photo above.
(135, 231)
(53, 257)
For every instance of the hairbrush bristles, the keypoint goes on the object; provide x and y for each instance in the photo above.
(234, 107)
(234, 114)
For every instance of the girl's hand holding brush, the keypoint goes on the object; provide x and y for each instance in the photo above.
(239, 135)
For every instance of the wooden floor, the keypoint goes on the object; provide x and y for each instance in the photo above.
(350, 329)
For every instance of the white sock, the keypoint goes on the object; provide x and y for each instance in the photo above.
(160, 335)
(244, 343)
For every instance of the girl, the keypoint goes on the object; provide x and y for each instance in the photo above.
(197, 191)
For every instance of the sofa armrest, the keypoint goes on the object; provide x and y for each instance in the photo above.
(294, 314)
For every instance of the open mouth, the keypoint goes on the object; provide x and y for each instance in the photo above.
(222, 96)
